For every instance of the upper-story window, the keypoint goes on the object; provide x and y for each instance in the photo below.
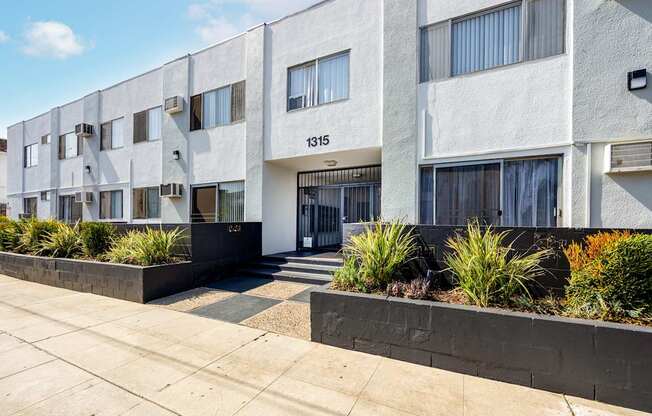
(30, 156)
(147, 125)
(218, 107)
(45, 139)
(519, 31)
(70, 145)
(321, 81)
(111, 135)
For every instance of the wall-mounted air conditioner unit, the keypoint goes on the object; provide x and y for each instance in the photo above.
(84, 197)
(174, 104)
(84, 130)
(171, 190)
(628, 157)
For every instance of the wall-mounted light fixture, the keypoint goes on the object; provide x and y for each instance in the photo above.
(637, 80)
(176, 155)
(88, 169)
(330, 163)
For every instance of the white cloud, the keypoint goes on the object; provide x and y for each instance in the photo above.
(52, 39)
(3, 37)
(215, 24)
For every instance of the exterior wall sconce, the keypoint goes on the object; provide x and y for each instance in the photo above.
(176, 155)
(330, 163)
(88, 169)
(637, 80)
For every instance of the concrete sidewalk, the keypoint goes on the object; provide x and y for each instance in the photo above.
(68, 353)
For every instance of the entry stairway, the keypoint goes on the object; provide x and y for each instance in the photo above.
(309, 268)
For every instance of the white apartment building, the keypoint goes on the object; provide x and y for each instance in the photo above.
(522, 113)
(3, 177)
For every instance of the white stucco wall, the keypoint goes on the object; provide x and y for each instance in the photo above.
(3, 177)
(326, 29)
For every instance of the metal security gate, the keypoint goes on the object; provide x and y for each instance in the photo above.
(328, 199)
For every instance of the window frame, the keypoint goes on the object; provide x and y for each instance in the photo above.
(70, 199)
(62, 155)
(110, 124)
(201, 99)
(315, 62)
(29, 200)
(523, 51)
(216, 186)
(29, 161)
(147, 133)
(147, 215)
(102, 215)
(501, 161)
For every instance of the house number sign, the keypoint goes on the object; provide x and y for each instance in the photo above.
(317, 141)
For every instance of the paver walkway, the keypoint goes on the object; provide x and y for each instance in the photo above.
(68, 353)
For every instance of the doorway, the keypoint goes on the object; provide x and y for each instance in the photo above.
(329, 199)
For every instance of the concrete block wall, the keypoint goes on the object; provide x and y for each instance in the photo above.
(596, 360)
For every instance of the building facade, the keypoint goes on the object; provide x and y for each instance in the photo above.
(522, 113)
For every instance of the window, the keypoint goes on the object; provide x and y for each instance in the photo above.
(70, 146)
(45, 195)
(515, 193)
(3, 210)
(530, 192)
(45, 139)
(218, 203)
(147, 125)
(219, 107)
(146, 203)
(30, 156)
(29, 206)
(69, 210)
(111, 205)
(520, 31)
(322, 81)
(111, 135)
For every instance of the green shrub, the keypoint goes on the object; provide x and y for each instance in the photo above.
(33, 233)
(96, 238)
(10, 232)
(145, 248)
(489, 272)
(374, 258)
(618, 286)
(65, 242)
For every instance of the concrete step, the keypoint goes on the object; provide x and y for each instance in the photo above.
(288, 276)
(322, 261)
(295, 267)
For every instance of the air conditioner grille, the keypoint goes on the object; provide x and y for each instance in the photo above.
(631, 155)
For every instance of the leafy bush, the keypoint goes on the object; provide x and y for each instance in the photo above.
(616, 284)
(65, 242)
(581, 256)
(146, 248)
(96, 238)
(10, 232)
(489, 272)
(33, 233)
(374, 258)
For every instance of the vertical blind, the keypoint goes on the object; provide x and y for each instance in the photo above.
(217, 108)
(154, 119)
(231, 202)
(530, 192)
(498, 37)
(435, 52)
(426, 201)
(487, 41)
(117, 138)
(333, 78)
(238, 92)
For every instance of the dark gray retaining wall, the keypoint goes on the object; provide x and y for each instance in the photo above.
(597, 360)
(133, 283)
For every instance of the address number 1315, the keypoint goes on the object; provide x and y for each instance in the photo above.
(318, 141)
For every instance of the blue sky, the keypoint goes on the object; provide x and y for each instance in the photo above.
(55, 51)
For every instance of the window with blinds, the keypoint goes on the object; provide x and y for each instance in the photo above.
(147, 125)
(70, 146)
(111, 205)
(322, 81)
(223, 202)
(519, 31)
(219, 107)
(30, 156)
(146, 203)
(111, 136)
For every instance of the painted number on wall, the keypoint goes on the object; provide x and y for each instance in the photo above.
(318, 141)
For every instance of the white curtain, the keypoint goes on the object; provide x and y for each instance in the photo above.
(210, 109)
(71, 145)
(154, 119)
(223, 106)
(231, 202)
(333, 78)
(487, 41)
(545, 28)
(302, 84)
(435, 52)
(530, 192)
(117, 137)
(116, 204)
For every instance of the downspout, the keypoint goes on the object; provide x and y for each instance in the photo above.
(589, 165)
